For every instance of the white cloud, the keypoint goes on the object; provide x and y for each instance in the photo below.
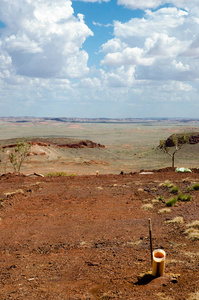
(22, 44)
(43, 38)
(162, 45)
(141, 4)
(193, 49)
(43, 64)
(179, 66)
(165, 46)
(152, 4)
(113, 45)
(95, 1)
(122, 77)
(129, 56)
(101, 25)
(162, 21)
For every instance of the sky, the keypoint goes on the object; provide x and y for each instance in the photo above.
(99, 58)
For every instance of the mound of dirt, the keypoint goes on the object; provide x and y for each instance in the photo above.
(87, 237)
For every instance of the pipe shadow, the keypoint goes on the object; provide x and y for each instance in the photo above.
(145, 279)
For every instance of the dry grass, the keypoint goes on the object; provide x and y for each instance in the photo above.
(155, 201)
(164, 211)
(146, 200)
(193, 230)
(136, 243)
(19, 191)
(162, 296)
(194, 296)
(176, 220)
(147, 207)
(191, 254)
(194, 224)
(193, 234)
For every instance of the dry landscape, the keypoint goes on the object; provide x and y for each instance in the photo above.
(86, 235)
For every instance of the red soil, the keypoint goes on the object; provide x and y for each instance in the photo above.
(87, 237)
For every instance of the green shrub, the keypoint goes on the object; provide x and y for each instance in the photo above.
(174, 189)
(57, 174)
(171, 202)
(194, 187)
(183, 197)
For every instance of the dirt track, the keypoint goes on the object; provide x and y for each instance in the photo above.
(86, 237)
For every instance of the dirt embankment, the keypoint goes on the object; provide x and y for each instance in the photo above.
(193, 138)
(59, 142)
(87, 237)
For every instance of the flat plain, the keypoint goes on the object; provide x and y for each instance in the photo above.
(129, 147)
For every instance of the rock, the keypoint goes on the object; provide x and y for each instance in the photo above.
(82, 144)
(193, 139)
(174, 280)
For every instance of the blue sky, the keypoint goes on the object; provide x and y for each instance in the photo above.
(99, 17)
(95, 58)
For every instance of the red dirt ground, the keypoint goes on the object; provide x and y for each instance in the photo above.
(87, 237)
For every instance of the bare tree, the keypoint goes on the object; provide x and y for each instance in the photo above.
(178, 142)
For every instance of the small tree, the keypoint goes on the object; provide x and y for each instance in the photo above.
(179, 143)
(19, 154)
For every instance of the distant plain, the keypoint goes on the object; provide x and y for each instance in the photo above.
(129, 147)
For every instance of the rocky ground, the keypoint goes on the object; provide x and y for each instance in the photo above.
(87, 237)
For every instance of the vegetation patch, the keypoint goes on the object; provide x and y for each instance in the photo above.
(172, 201)
(194, 187)
(56, 174)
(183, 197)
(174, 189)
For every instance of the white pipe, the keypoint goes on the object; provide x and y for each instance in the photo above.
(158, 262)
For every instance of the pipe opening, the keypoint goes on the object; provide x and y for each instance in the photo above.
(158, 255)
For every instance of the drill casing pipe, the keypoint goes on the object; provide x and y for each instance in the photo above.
(158, 266)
